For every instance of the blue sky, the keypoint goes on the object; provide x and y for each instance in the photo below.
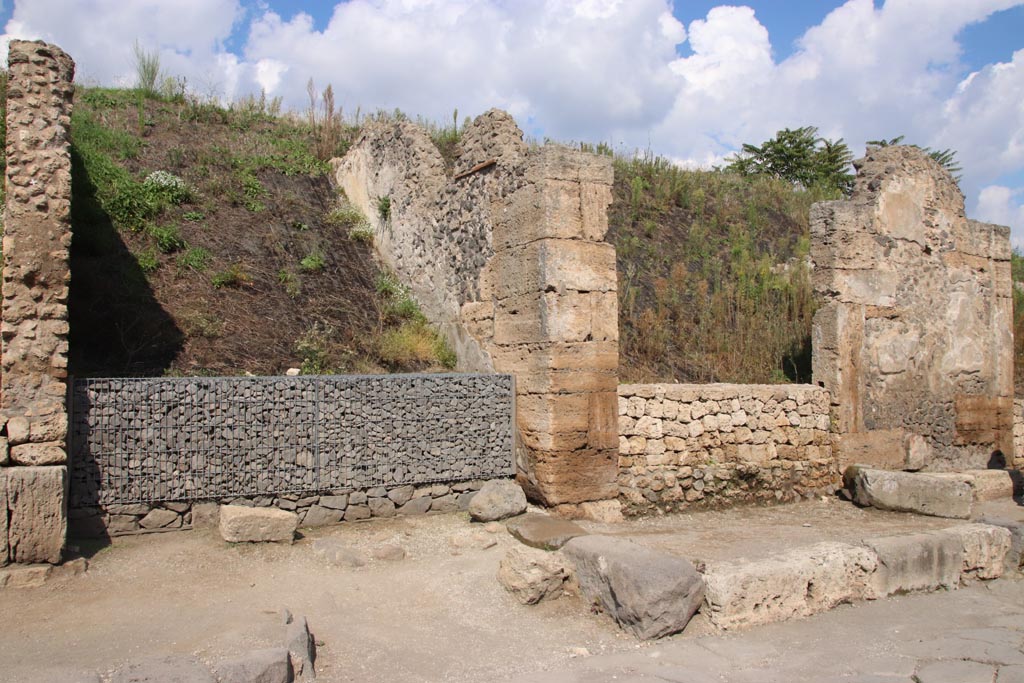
(691, 80)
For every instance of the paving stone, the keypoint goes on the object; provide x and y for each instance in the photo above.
(956, 672)
(173, 669)
(271, 665)
(1011, 674)
(543, 531)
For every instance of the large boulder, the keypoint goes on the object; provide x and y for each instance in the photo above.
(543, 531)
(649, 593)
(533, 576)
(797, 583)
(926, 494)
(240, 524)
(497, 499)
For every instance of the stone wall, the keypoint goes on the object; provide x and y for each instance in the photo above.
(179, 439)
(683, 446)
(314, 509)
(1018, 435)
(34, 325)
(506, 254)
(913, 334)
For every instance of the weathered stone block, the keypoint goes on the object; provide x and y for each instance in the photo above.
(37, 512)
(916, 562)
(239, 524)
(918, 492)
(991, 484)
(533, 576)
(794, 584)
(51, 453)
(985, 548)
(648, 593)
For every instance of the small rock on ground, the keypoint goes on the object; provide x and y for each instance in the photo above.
(532, 575)
(174, 669)
(389, 552)
(498, 499)
(337, 553)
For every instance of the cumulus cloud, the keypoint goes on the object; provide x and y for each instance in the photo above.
(601, 70)
(1003, 205)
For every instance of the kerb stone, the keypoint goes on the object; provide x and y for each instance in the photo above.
(916, 562)
(649, 593)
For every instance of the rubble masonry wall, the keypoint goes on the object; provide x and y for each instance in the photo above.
(34, 325)
(913, 336)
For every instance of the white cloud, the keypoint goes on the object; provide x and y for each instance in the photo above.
(605, 70)
(1004, 206)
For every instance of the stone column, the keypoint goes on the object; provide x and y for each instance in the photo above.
(34, 325)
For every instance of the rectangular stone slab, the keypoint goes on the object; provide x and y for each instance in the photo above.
(37, 509)
(916, 562)
(925, 494)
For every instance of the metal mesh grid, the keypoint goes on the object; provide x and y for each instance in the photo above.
(147, 440)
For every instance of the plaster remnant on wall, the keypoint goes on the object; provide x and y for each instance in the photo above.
(913, 335)
(36, 274)
(506, 255)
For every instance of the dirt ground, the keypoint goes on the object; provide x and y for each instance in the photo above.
(437, 615)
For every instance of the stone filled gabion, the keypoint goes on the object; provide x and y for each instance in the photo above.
(686, 446)
(144, 440)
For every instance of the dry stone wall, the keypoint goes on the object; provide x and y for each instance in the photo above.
(685, 446)
(507, 256)
(913, 334)
(34, 325)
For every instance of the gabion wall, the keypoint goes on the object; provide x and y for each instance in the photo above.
(146, 440)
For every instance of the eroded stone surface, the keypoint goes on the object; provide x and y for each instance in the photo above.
(916, 562)
(532, 575)
(543, 531)
(239, 524)
(797, 583)
(172, 669)
(985, 548)
(271, 665)
(37, 513)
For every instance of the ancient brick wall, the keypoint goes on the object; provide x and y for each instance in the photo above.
(913, 335)
(685, 446)
(507, 256)
(34, 326)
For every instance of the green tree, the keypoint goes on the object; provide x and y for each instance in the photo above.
(945, 157)
(801, 157)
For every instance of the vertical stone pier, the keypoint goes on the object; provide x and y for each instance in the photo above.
(34, 324)
(506, 254)
(914, 332)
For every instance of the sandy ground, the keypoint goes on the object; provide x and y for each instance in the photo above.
(437, 615)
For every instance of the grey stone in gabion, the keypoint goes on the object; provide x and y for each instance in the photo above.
(377, 492)
(446, 503)
(357, 512)
(381, 507)
(497, 499)
(159, 518)
(357, 498)
(240, 524)
(321, 516)
(416, 506)
(334, 502)
(401, 495)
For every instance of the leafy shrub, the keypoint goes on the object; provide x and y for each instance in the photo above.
(234, 276)
(168, 238)
(384, 208)
(195, 258)
(167, 187)
(313, 262)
